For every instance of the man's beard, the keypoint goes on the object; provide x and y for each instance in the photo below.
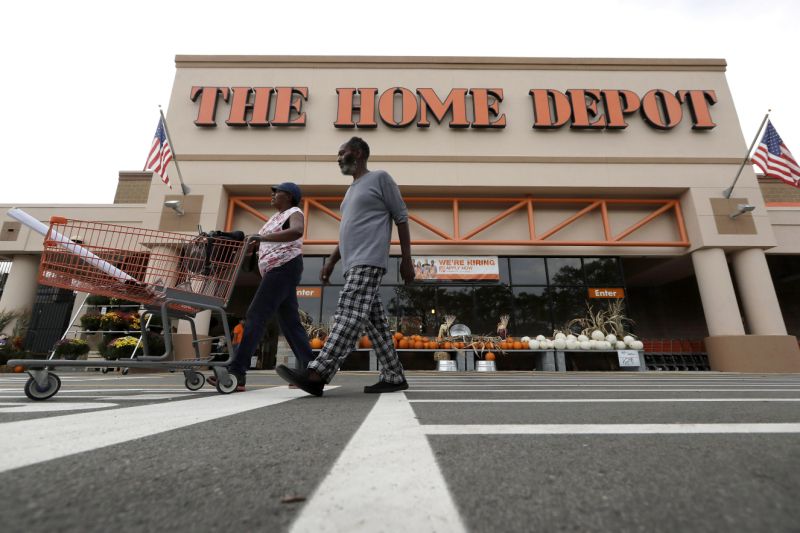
(348, 168)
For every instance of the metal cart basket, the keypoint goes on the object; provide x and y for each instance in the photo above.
(171, 274)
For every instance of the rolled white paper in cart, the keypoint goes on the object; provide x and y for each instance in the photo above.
(64, 242)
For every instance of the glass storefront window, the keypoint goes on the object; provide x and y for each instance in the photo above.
(565, 271)
(527, 271)
(531, 312)
(602, 270)
(568, 303)
(311, 306)
(330, 297)
(456, 300)
(311, 266)
(415, 304)
(491, 302)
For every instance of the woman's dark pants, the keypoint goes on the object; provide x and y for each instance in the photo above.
(277, 293)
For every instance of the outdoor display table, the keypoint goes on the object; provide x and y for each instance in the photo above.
(628, 360)
(542, 360)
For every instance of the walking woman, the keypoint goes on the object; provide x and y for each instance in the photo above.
(280, 261)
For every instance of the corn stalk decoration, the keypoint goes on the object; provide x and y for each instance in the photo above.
(611, 320)
(444, 329)
(314, 331)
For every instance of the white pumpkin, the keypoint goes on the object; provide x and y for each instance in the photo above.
(525, 340)
(560, 336)
(582, 338)
(586, 345)
(571, 337)
(637, 345)
(611, 338)
(541, 338)
(607, 345)
(559, 344)
(593, 344)
(620, 345)
(548, 344)
(533, 344)
(598, 335)
(627, 339)
(573, 344)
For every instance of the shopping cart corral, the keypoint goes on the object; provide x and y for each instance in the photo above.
(173, 275)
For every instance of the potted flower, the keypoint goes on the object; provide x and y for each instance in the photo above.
(71, 348)
(91, 321)
(120, 348)
(113, 321)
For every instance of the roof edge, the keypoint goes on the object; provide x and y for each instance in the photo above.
(300, 61)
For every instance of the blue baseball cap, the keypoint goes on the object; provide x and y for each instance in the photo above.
(292, 189)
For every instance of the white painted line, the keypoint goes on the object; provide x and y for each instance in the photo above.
(145, 397)
(28, 442)
(51, 407)
(386, 479)
(600, 390)
(609, 400)
(608, 429)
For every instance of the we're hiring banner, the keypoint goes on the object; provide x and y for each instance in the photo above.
(456, 267)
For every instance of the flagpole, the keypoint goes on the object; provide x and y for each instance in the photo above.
(184, 188)
(727, 192)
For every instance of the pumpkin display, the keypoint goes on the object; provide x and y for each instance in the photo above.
(403, 344)
(316, 343)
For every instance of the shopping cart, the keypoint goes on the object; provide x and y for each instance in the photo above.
(174, 275)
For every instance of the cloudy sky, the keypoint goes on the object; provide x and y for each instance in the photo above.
(83, 80)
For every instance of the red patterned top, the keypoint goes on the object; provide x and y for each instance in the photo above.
(275, 254)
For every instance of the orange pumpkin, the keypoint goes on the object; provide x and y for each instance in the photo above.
(316, 343)
(489, 356)
(403, 344)
(398, 335)
(460, 345)
(365, 343)
(448, 345)
(517, 345)
(419, 345)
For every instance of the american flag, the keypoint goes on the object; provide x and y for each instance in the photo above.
(774, 159)
(160, 153)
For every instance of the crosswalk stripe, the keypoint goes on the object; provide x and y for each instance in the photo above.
(386, 479)
(28, 442)
(606, 400)
(617, 390)
(608, 429)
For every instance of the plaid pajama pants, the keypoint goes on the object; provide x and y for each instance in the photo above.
(359, 306)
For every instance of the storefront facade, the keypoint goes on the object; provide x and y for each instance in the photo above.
(576, 177)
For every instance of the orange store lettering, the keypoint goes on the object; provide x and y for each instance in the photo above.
(400, 107)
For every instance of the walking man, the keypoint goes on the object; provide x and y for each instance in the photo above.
(370, 205)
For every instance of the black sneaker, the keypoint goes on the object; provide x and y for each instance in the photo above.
(300, 378)
(385, 386)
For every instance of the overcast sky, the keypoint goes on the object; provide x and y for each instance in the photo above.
(83, 80)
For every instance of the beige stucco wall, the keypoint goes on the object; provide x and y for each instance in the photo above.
(639, 161)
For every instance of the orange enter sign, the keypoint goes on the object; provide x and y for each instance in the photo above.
(606, 293)
(309, 292)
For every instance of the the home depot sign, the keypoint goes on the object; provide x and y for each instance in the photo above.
(399, 107)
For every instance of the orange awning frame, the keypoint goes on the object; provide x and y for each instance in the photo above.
(315, 206)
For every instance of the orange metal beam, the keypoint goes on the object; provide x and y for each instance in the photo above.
(456, 203)
(570, 220)
(494, 220)
(645, 220)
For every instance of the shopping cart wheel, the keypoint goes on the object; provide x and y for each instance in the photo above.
(195, 381)
(229, 387)
(35, 392)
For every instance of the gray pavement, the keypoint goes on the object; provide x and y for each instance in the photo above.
(517, 451)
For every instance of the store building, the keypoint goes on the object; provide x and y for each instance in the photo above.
(534, 186)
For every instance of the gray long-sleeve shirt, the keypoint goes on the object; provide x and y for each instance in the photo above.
(369, 206)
